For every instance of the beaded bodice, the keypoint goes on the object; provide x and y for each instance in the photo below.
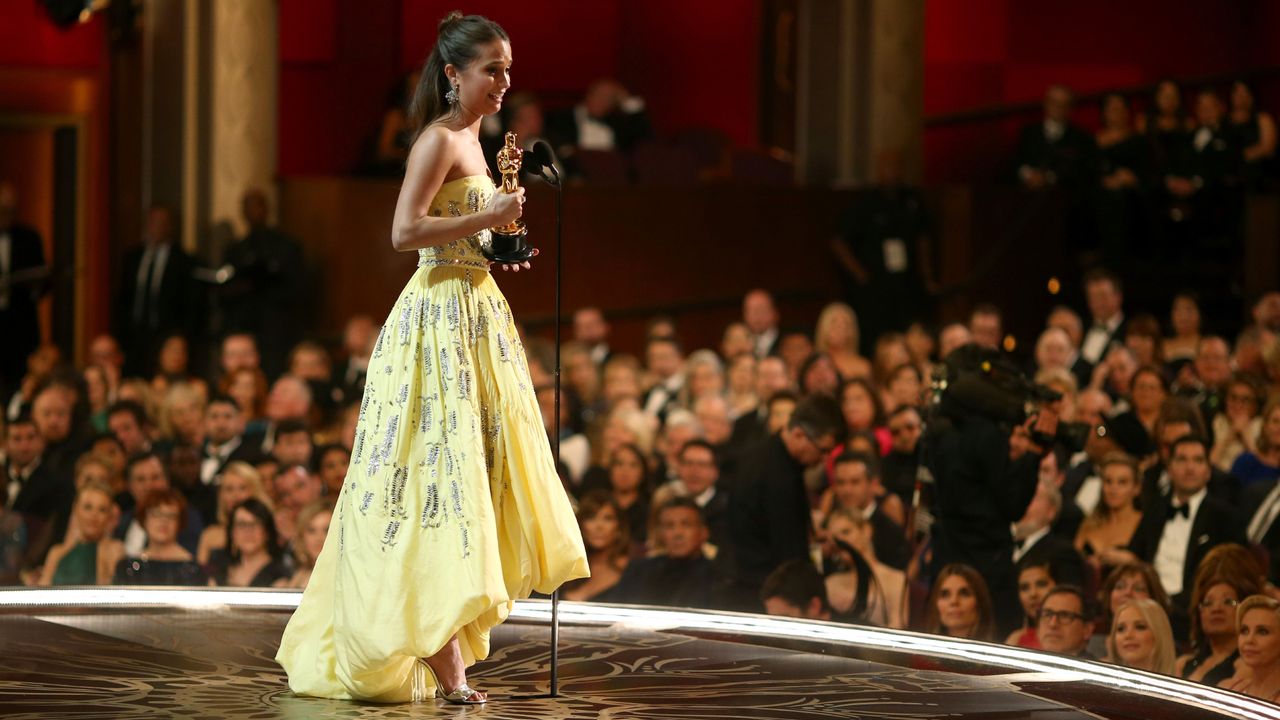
(463, 196)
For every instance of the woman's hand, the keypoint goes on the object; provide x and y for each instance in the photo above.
(505, 208)
(525, 264)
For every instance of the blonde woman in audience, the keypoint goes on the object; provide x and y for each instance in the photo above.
(238, 482)
(1141, 637)
(89, 556)
(98, 395)
(1258, 630)
(308, 541)
(836, 335)
(620, 383)
(1105, 533)
(886, 598)
(182, 414)
(608, 541)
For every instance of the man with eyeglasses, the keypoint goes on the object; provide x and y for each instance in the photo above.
(1065, 622)
(769, 514)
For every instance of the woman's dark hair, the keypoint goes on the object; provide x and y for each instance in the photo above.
(877, 418)
(597, 500)
(985, 628)
(639, 455)
(459, 37)
(263, 515)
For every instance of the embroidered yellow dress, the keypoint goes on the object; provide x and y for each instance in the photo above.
(451, 508)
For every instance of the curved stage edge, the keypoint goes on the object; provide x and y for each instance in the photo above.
(149, 652)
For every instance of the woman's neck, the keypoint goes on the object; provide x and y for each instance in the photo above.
(1124, 514)
(962, 631)
(1270, 457)
(164, 549)
(254, 557)
(626, 498)
(1222, 645)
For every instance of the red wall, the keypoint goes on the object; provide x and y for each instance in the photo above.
(696, 64)
(986, 52)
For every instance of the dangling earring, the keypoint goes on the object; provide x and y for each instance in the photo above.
(451, 97)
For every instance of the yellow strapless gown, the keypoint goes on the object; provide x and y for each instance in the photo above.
(451, 508)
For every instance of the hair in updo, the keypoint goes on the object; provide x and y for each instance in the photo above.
(456, 43)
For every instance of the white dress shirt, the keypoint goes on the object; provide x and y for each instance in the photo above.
(1171, 553)
(1096, 340)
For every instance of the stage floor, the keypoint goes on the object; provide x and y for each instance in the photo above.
(115, 653)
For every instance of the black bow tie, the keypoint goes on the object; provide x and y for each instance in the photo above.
(1174, 510)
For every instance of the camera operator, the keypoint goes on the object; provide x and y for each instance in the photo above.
(983, 485)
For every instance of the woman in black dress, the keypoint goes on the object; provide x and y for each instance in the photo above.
(1124, 166)
(163, 561)
(252, 557)
(1254, 132)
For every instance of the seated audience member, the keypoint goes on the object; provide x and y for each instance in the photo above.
(313, 527)
(796, 590)
(769, 515)
(903, 388)
(607, 539)
(866, 590)
(146, 474)
(836, 335)
(238, 482)
(712, 413)
(629, 483)
(331, 462)
(293, 445)
(698, 478)
(854, 480)
(129, 422)
(248, 386)
(1184, 319)
(863, 412)
(1176, 540)
(1228, 575)
(986, 326)
(1143, 338)
(741, 390)
(89, 555)
(1263, 463)
(1053, 151)
(1125, 582)
(1253, 133)
(296, 487)
(1237, 427)
(959, 605)
(1115, 518)
(681, 427)
(32, 490)
(252, 556)
(1141, 638)
(1258, 627)
(704, 376)
(664, 361)
(682, 576)
(13, 545)
(1034, 536)
(899, 466)
(1035, 579)
(163, 561)
(1066, 622)
(794, 347)
(1135, 428)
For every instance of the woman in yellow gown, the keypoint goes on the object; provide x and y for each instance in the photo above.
(451, 508)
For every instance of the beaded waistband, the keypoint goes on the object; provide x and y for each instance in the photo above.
(424, 261)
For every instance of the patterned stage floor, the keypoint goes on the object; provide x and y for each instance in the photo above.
(199, 654)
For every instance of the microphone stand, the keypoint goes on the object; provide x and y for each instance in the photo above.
(551, 176)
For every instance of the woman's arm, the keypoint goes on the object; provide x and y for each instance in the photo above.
(1266, 145)
(51, 564)
(429, 162)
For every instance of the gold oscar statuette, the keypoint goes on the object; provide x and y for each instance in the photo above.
(508, 243)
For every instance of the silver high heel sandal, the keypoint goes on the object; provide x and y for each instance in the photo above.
(464, 694)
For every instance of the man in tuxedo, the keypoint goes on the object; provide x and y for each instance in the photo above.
(358, 338)
(1105, 297)
(698, 476)
(265, 297)
(157, 295)
(592, 330)
(854, 487)
(1068, 321)
(1174, 537)
(1035, 539)
(760, 315)
(1054, 152)
(30, 489)
(769, 507)
(1202, 175)
(1178, 418)
(1259, 509)
(608, 118)
(771, 379)
(224, 443)
(665, 362)
(1212, 366)
(128, 421)
(21, 257)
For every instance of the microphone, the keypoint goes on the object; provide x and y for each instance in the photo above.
(542, 160)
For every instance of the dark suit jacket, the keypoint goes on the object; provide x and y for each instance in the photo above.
(1223, 486)
(179, 307)
(1064, 562)
(1251, 499)
(890, 541)
(768, 514)
(665, 581)
(1070, 158)
(1214, 524)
